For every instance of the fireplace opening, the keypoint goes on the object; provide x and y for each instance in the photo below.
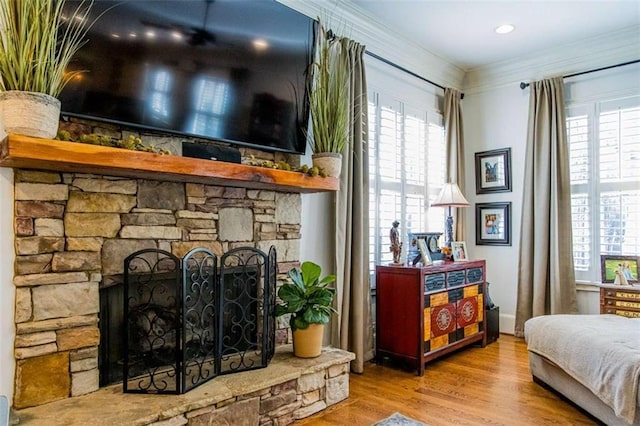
(172, 324)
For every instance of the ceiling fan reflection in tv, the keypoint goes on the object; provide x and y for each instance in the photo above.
(195, 36)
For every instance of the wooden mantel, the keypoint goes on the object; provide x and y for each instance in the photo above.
(44, 154)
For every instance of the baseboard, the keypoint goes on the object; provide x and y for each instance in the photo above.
(507, 323)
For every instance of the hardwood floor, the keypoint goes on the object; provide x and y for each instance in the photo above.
(473, 386)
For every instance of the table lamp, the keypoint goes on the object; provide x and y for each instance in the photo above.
(450, 196)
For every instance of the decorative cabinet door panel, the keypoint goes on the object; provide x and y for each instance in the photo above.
(440, 321)
(467, 311)
(443, 319)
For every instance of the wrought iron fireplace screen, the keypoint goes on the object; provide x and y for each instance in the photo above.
(185, 322)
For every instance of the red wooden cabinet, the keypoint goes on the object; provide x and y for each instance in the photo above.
(424, 313)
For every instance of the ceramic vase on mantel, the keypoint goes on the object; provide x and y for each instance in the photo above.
(331, 162)
(307, 342)
(29, 113)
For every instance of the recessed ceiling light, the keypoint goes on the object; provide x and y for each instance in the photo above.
(505, 29)
(260, 44)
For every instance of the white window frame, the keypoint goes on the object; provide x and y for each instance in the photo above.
(594, 186)
(406, 96)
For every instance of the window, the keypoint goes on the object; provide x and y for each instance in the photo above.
(604, 144)
(211, 96)
(159, 88)
(406, 172)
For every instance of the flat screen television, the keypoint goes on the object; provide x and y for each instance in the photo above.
(226, 70)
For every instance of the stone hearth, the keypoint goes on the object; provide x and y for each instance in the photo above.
(73, 232)
(287, 390)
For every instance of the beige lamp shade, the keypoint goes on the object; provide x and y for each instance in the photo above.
(450, 196)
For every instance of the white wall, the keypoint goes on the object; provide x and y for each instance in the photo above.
(7, 292)
(318, 235)
(492, 120)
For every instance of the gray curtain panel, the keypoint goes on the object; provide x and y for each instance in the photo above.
(546, 279)
(352, 330)
(455, 153)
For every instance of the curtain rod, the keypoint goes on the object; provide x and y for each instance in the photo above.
(388, 62)
(524, 85)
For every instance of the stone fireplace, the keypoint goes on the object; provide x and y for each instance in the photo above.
(80, 210)
(73, 232)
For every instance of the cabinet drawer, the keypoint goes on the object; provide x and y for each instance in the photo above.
(456, 278)
(434, 282)
(629, 314)
(622, 303)
(474, 275)
(621, 294)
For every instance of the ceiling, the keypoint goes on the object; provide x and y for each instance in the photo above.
(462, 31)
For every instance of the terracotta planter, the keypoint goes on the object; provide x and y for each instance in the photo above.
(331, 162)
(307, 343)
(29, 113)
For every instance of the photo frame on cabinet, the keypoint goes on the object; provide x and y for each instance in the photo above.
(493, 171)
(617, 269)
(424, 252)
(493, 224)
(460, 253)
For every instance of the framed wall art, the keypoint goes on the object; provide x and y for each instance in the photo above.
(493, 171)
(619, 269)
(493, 224)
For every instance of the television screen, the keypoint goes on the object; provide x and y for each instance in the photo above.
(227, 70)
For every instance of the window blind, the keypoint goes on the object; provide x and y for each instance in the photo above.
(604, 144)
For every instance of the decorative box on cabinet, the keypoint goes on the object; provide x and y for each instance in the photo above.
(620, 300)
(424, 313)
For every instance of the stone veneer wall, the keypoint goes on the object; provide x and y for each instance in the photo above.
(73, 232)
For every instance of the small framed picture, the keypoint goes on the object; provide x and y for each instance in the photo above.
(619, 269)
(493, 224)
(493, 171)
(460, 253)
(424, 252)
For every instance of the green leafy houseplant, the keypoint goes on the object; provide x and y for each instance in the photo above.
(37, 46)
(307, 297)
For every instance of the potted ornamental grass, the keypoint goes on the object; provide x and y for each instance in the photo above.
(328, 104)
(309, 301)
(38, 39)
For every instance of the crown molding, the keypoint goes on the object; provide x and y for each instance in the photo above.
(348, 19)
(595, 52)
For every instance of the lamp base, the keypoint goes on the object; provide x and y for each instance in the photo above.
(449, 230)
